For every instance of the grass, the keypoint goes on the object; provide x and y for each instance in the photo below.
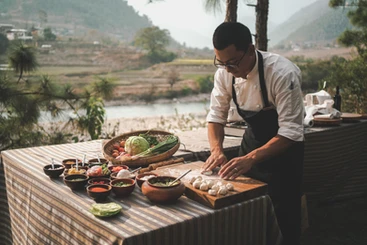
(191, 62)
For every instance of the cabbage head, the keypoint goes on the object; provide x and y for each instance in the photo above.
(136, 144)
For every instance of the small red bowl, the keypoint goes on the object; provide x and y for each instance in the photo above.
(99, 192)
(99, 181)
(117, 168)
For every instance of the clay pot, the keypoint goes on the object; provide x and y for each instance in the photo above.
(157, 193)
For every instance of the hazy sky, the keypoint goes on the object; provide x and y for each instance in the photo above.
(188, 21)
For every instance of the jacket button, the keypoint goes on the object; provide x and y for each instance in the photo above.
(258, 106)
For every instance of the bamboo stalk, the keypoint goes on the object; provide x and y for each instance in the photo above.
(154, 166)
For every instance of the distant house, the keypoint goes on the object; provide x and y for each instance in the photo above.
(21, 34)
(5, 27)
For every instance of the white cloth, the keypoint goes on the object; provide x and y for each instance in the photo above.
(324, 110)
(283, 84)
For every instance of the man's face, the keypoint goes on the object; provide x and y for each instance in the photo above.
(237, 62)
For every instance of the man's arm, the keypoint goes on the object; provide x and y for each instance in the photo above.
(216, 138)
(240, 165)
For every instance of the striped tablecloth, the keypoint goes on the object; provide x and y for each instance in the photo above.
(45, 211)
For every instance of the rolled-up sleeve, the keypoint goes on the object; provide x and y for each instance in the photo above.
(220, 98)
(289, 105)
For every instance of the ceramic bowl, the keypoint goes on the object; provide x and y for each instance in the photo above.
(141, 178)
(69, 162)
(94, 161)
(76, 181)
(123, 191)
(102, 181)
(74, 171)
(157, 192)
(99, 192)
(91, 171)
(80, 166)
(117, 168)
(53, 173)
(114, 176)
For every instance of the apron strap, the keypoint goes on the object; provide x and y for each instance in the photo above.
(264, 91)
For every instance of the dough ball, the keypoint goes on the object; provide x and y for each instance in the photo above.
(229, 186)
(215, 187)
(223, 190)
(197, 184)
(199, 178)
(204, 186)
(210, 183)
(192, 180)
(212, 192)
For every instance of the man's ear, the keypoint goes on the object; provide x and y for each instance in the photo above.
(251, 50)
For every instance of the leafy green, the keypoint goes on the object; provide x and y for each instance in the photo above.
(136, 144)
(105, 209)
(161, 147)
(152, 140)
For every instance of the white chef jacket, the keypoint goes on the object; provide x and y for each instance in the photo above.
(283, 84)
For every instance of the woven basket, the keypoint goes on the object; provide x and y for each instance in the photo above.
(143, 161)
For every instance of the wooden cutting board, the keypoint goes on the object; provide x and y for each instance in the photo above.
(244, 188)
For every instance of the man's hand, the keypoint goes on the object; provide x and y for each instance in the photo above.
(215, 159)
(235, 167)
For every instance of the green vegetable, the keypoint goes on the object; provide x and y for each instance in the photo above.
(105, 209)
(135, 145)
(161, 147)
(105, 170)
(152, 140)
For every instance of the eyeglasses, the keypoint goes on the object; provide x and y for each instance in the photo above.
(232, 66)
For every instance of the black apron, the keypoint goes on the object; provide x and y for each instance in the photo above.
(283, 173)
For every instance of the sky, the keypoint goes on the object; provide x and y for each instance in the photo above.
(190, 24)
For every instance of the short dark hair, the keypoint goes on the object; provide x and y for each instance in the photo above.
(229, 33)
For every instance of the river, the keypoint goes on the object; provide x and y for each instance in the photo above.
(147, 110)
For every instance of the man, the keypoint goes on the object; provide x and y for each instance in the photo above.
(266, 89)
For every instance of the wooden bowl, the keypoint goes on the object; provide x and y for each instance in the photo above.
(99, 192)
(114, 176)
(101, 181)
(143, 161)
(162, 194)
(80, 171)
(118, 166)
(69, 162)
(53, 173)
(76, 181)
(90, 171)
(94, 161)
(141, 178)
(123, 191)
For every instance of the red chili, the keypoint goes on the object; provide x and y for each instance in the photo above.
(98, 189)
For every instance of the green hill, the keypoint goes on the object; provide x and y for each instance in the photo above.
(314, 23)
(75, 16)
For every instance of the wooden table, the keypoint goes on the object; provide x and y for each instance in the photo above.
(335, 162)
(45, 211)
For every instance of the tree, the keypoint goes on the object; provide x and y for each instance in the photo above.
(154, 40)
(351, 75)
(22, 58)
(21, 104)
(4, 43)
(172, 77)
(358, 17)
(48, 35)
(261, 8)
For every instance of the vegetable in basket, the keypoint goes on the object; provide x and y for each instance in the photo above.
(136, 144)
(160, 148)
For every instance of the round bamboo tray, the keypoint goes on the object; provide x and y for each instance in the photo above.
(143, 161)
